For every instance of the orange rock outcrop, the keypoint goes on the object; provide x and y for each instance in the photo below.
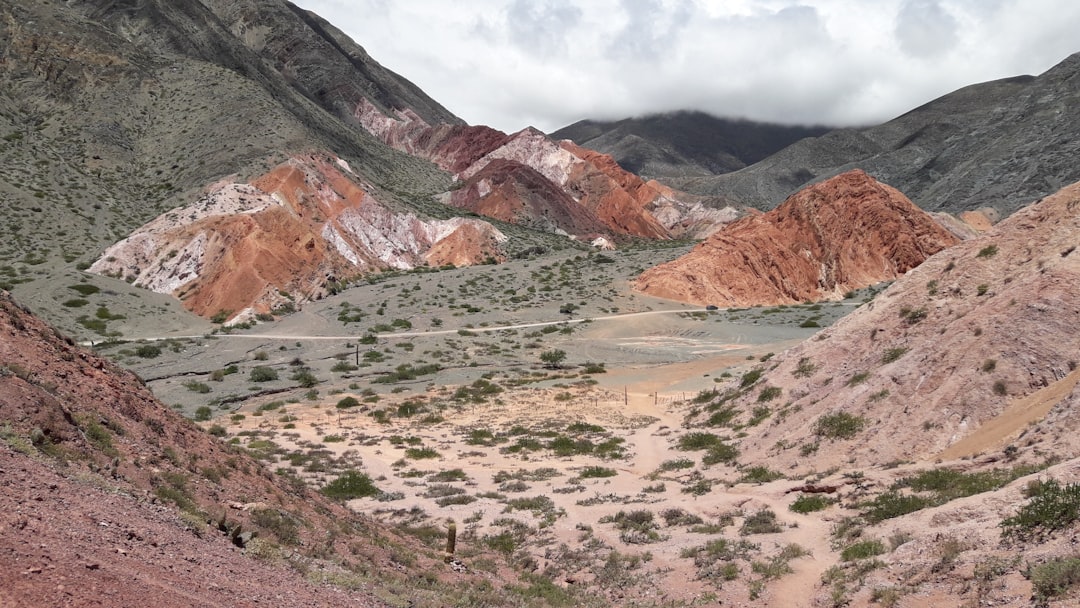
(848, 232)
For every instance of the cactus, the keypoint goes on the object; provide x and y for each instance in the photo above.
(451, 540)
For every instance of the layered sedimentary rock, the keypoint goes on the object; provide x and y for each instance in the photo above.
(965, 355)
(285, 237)
(530, 179)
(842, 234)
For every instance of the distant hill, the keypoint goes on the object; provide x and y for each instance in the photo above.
(684, 143)
(845, 233)
(999, 144)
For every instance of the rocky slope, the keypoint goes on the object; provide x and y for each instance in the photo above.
(109, 498)
(284, 238)
(683, 144)
(530, 179)
(115, 113)
(842, 234)
(998, 144)
(975, 348)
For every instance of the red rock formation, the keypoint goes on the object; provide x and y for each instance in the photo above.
(842, 234)
(307, 223)
(562, 175)
(983, 332)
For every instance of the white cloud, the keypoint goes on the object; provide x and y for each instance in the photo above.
(547, 63)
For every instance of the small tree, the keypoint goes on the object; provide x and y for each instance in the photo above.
(553, 358)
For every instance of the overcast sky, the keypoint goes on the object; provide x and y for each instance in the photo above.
(548, 63)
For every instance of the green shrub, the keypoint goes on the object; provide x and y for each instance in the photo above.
(262, 373)
(351, 484)
(761, 522)
(197, 387)
(304, 378)
(840, 425)
(421, 453)
(697, 441)
(750, 377)
(759, 474)
(862, 550)
(85, 289)
(804, 369)
(148, 351)
(1054, 578)
(808, 503)
(893, 354)
(1054, 507)
(597, 472)
(768, 394)
(987, 252)
(347, 402)
(203, 413)
(858, 378)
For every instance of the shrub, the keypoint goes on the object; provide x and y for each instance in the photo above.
(697, 441)
(553, 358)
(1055, 507)
(804, 369)
(762, 522)
(862, 550)
(304, 378)
(262, 373)
(197, 387)
(989, 365)
(768, 394)
(351, 484)
(760, 474)
(347, 402)
(987, 252)
(721, 452)
(421, 453)
(1000, 389)
(808, 503)
(597, 472)
(840, 425)
(750, 377)
(858, 378)
(1054, 578)
(893, 354)
(148, 351)
(203, 413)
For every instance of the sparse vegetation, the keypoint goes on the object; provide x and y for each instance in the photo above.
(840, 425)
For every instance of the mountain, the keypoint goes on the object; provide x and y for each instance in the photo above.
(110, 498)
(845, 233)
(969, 353)
(220, 151)
(996, 145)
(245, 249)
(684, 144)
(530, 179)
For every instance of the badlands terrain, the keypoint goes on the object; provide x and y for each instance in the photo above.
(310, 339)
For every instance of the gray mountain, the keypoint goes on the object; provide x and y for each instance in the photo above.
(682, 144)
(999, 144)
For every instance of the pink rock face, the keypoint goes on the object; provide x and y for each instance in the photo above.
(842, 234)
(960, 342)
(608, 200)
(306, 223)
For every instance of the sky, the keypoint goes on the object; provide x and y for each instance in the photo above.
(548, 63)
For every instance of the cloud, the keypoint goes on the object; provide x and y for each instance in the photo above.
(548, 63)
(651, 29)
(540, 27)
(925, 29)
